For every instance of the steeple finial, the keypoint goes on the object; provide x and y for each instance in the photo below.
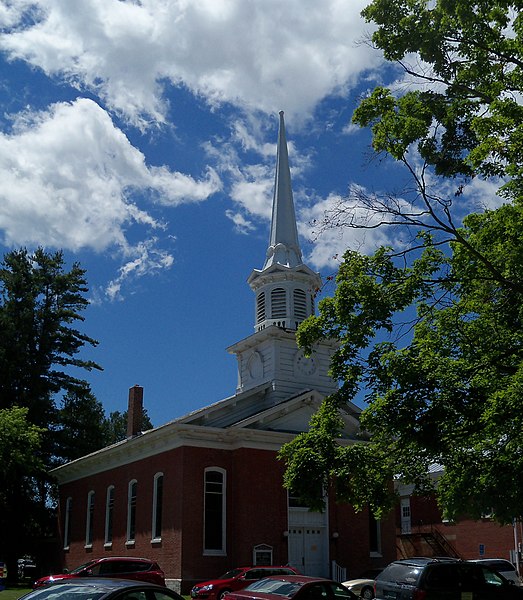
(284, 248)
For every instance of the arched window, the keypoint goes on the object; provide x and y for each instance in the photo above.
(67, 522)
(89, 521)
(300, 305)
(214, 511)
(157, 506)
(109, 510)
(260, 307)
(131, 511)
(278, 303)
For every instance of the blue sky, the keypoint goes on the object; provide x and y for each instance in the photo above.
(139, 136)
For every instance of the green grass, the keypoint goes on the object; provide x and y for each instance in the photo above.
(13, 593)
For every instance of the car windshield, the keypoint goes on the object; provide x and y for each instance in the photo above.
(67, 592)
(231, 574)
(402, 573)
(275, 586)
(82, 567)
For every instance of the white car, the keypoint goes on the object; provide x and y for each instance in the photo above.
(364, 586)
(502, 566)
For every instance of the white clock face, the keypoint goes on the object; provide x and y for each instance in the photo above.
(255, 366)
(305, 365)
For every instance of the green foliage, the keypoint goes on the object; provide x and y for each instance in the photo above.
(82, 425)
(40, 306)
(115, 426)
(468, 119)
(22, 466)
(432, 333)
(19, 449)
(450, 396)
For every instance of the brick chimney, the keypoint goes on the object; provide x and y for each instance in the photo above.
(135, 411)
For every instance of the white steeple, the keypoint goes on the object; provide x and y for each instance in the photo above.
(270, 364)
(285, 287)
(284, 248)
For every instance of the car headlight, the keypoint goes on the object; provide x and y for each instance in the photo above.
(201, 589)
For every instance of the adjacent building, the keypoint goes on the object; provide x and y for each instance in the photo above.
(203, 493)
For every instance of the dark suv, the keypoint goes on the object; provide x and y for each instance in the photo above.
(442, 579)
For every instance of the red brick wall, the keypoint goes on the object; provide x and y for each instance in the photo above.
(351, 548)
(465, 536)
(256, 514)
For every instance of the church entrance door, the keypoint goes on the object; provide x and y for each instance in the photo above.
(308, 543)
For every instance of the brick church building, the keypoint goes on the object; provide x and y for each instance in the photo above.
(203, 493)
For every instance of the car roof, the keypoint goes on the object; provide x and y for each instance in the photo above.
(499, 562)
(297, 578)
(423, 560)
(263, 567)
(128, 558)
(104, 582)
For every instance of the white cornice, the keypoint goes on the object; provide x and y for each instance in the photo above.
(277, 273)
(165, 439)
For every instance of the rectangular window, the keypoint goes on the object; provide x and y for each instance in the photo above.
(131, 511)
(214, 512)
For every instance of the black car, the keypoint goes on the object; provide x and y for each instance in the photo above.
(102, 589)
(442, 579)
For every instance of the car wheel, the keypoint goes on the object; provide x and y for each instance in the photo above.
(367, 593)
(222, 594)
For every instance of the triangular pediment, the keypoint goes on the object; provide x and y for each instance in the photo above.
(294, 415)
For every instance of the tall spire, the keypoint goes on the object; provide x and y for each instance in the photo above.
(285, 287)
(284, 248)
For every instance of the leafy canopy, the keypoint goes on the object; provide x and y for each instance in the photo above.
(432, 332)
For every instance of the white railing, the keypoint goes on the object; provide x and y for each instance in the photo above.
(338, 573)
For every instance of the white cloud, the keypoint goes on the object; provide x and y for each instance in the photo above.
(262, 55)
(330, 242)
(143, 259)
(241, 223)
(69, 177)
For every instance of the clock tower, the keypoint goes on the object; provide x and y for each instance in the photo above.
(285, 290)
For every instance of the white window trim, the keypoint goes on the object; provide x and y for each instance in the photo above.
(154, 534)
(377, 553)
(89, 524)
(129, 541)
(222, 551)
(108, 508)
(262, 549)
(67, 522)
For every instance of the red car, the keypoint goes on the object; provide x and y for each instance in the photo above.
(294, 587)
(236, 579)
(121, 567)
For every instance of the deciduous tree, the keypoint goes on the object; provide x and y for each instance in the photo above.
(431, 332)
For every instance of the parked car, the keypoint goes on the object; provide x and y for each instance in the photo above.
(295, 587)
(502, 566)
(124, 567)
(101, 589)
(442, 579)
(236, 579)
(364, 585)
